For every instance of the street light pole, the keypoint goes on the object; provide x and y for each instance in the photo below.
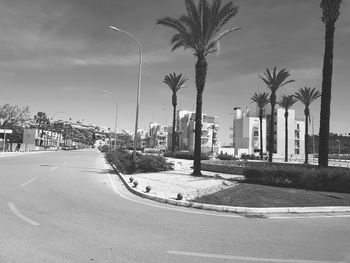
(138, 86)
(116, 119)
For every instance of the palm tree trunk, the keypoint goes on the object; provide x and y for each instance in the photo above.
(272, 123)
(261, 136)
(173, 135)
(286, 137)
(326, 96)
(201, 73)
(306, 139)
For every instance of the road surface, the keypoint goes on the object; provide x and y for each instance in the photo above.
(67, 206)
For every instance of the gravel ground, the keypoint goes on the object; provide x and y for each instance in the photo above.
(168, 184)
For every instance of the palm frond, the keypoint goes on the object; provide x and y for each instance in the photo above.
(261, 99)
(307, 95)
(287, 101)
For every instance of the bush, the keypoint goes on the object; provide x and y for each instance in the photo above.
(185, 155)
(104, 148)
(226, 157)
(249, 157)
(336, 180)
(122, 160)
(144, 163)
(151, 163)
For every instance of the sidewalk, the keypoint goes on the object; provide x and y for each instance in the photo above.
(166, 185)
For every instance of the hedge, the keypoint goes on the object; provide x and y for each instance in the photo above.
(144, 163)
(333, 180)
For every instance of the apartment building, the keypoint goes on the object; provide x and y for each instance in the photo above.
(245, 132)
(186, 132)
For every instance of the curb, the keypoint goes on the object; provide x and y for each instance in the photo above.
(236, 209)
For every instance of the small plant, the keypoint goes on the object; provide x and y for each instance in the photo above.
(148, 188)
(135, 183)
(179, 196)
(131, 179)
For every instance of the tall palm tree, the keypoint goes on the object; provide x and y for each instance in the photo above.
(201, 30)
(330, 14)
(286, 102)
(261, 99)
(175, 83)
(274, 82)
(306, 96)
(42, 121)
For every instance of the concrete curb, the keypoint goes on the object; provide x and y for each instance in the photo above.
(236, 209)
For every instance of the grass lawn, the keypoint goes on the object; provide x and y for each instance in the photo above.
(254, 195)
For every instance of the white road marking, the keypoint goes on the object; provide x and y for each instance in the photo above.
(310, 217)
(53, 169)
(20, 215)
(254, 259)
(167, 206)
(28, 182)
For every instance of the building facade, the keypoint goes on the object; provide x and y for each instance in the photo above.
(245, 133)
(186, 132)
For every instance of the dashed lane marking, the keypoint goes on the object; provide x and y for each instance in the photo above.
(53, 169)
(251, 259)
(21, 216)
(29, 181)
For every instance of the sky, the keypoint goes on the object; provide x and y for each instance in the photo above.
(59, 55)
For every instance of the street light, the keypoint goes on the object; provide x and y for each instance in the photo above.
(116, 118)
(138, 86)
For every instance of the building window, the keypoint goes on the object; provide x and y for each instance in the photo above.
(256, 133)
(298, 126)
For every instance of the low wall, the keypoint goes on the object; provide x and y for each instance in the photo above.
(237, 167)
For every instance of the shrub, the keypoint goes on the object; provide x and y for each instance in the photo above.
(144, 163)
(135, 183)
(151, 163)
(337, 180)
(148, 188)
(249, 157)
(131, 179)
(185, 155)
(179, 196)
(122, 160)
(225, 157)
(104, 148)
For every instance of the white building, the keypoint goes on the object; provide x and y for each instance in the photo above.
(245, 135)
(186, 131)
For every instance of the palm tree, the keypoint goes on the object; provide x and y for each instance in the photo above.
(330, 14)
(201, 30)
(274, 82)
(261, 99)
(286, 102)
(306, 96)
(42, 121)
(175, 83)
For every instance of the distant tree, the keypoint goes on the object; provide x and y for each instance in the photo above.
(273, 82)
(306, 96)
(261, 99)
(175, 83)
(42, 122)
(286, 102)
(330, 14)
(200, 29)
(13, 115)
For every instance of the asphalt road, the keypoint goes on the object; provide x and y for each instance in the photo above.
(69, 207)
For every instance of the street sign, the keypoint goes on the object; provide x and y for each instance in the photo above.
(5, 131)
